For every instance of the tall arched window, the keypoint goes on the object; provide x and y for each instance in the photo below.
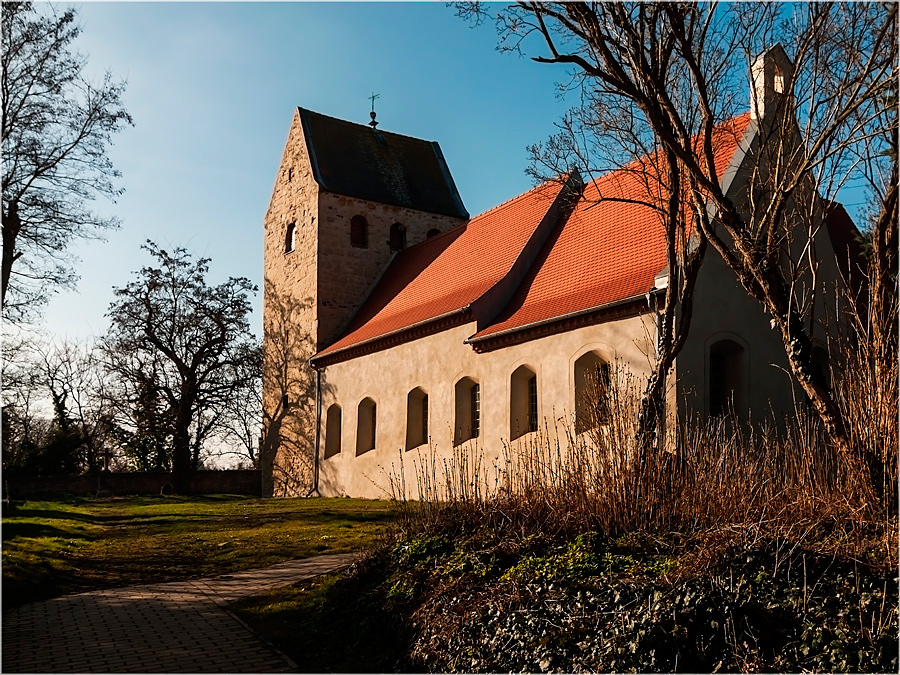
(591, 392)
(398, 237)
(467, 396)
(416, 418)
(727, 378)
(333, 431)
(523, 402)
(359, 232)
(290, 237)
(365, 426)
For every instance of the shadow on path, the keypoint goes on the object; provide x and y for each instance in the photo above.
(178, 627)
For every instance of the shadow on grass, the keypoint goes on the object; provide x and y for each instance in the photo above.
(333, 624)
(369, 517)
(13, 531)
(48, 514)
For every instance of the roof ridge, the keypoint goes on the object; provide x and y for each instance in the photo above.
(364, 125)
(516, 197)
(627, 167)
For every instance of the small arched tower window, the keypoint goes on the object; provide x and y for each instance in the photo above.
(727, 378)
(333, 431)
(523, 402)
(468, 410)
(365, 426)
(290, 237)
(779, 81)
(591, 392)
(359, 232)
(398, 237)
(433, 232)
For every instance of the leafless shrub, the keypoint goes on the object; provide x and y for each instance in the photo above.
(720, 481)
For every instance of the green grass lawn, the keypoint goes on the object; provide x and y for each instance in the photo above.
(57, 547)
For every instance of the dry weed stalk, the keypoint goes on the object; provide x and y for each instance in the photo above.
(721, 481)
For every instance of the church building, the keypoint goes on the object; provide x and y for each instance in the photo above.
(397, 324)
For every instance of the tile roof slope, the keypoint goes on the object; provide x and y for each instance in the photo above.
(606, 251)
(358, 161)
(446, 273)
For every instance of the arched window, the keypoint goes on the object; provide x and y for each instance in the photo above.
(290, 236)
(433, 232)
(727, 380)
(333, 431)
(467, 395)
(359, 232)
(365, 426)
(398, 237)
(416, 418)
(523, 402)
(591, 392)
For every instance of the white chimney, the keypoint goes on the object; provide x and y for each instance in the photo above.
(771, 79)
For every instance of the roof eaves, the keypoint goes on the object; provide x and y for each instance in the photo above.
(448, 177)
(310, 148)
(325, 353)
(562, 317)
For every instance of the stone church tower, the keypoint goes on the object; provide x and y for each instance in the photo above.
(347, 197)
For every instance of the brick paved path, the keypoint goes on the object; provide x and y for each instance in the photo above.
(178, 627)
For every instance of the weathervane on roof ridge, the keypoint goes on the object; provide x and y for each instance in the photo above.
(373, 123)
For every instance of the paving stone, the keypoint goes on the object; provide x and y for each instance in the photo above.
(181, 626)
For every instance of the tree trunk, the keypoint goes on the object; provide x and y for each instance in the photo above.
(181, 445)
(883, 282)
(883, 335)
(11, 226)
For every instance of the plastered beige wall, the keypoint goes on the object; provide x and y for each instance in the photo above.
(724, 310)
(434, 364)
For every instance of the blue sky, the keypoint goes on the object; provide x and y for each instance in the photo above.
(212, 88)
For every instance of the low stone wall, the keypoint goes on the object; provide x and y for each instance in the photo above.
(235, 482)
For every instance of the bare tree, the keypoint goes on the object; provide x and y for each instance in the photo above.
(25, 426)
(190, 337)
(56, 128)
(671, 74)
(141, 419)
(71, 374)
(241, 415)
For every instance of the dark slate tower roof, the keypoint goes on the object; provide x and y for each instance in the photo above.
(358, 161)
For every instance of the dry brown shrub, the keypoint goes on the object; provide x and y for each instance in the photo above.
(724, 483)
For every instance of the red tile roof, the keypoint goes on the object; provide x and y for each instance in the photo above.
(446, 273)
(604, 252)
(607, 250)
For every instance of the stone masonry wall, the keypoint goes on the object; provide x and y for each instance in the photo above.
(310, 294)
(289, 323)
(346, 274)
